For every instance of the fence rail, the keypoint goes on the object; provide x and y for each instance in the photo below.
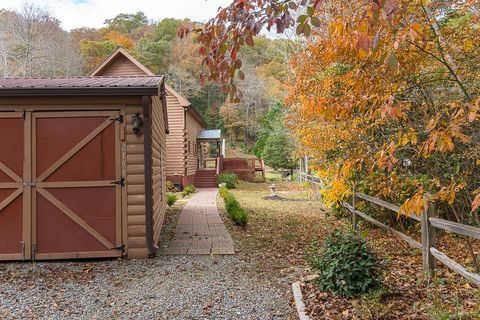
(399, 234)
(429, 224)
(305, 177)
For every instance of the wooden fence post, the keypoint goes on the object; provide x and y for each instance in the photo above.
(300, 176)
(354, 215)
(307, 169)
(428, 238)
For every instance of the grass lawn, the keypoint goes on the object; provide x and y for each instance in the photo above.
(279, 232)
(271, 175)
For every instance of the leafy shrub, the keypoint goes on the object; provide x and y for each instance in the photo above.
(347, 266)
(231, 204)
(171, 199)
(240, 217)
(223, 192)
(235, 212)
(339, 212)
(230, 179)
(189, 189)
(170, 186)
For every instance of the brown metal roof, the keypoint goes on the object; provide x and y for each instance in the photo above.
(122, 85)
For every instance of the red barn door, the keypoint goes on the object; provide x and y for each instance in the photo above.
(77, 183)
(14, 218)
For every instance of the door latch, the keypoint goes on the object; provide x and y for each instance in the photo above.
(29, 184)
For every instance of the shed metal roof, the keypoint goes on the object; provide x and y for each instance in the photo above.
(124, 85)
(210, 135)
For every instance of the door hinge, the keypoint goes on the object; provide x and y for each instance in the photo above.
(119, 118)
(120, 182)
(24, 114)
(120, 248)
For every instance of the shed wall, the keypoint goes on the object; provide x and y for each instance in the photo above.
(159, 150)
(121, 66)
(132, 159)
(191, 133)
(135, 174)
(175, 137)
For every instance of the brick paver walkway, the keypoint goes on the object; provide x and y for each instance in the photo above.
(200, 230)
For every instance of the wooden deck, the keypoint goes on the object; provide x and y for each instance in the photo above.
(244, 168)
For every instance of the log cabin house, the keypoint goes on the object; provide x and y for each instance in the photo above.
(184, 163)
(82, 167)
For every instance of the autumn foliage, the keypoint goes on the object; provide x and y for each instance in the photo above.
(387, 101)
(385, 96)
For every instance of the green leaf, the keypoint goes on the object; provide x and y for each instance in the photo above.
(307, 30)
(310, 11)
(302, 18)
(315, 22)
(392, 60)
(300, 28)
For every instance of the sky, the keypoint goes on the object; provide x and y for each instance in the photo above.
(92, 13)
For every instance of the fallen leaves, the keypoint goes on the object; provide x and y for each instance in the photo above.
(279, 232)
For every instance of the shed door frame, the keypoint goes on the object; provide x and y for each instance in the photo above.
(19, 188)
(40, 187)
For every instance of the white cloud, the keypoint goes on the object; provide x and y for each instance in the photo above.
(92, 13)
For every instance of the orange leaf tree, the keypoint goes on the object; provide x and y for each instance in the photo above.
(385, 95)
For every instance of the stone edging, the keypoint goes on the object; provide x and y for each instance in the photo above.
(297, 296)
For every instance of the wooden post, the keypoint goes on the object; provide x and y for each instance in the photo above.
(300, 177)
(306, 165)
(428, 238)
(354, 215)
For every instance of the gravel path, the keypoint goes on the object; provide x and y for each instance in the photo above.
(167, 287)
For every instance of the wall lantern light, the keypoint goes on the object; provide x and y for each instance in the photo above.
(137, 124)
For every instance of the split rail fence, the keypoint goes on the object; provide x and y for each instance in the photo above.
(429, 225)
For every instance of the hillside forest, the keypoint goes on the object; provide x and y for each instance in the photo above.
(384, 96)
(33, 44)
(386, 101)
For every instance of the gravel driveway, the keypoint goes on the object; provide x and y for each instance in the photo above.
(167, 287)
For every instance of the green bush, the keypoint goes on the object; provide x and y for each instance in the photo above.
(347, 266)
(233, 208)
(239, 216)
(189, 189)
(223, 192)
(230, 179)
(171, 199)
(231, 204)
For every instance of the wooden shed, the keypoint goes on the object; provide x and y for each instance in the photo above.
(82, 167)
(185, 123)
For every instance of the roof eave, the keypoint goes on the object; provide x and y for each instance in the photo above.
(197, 115)
(119, 50)
(120, 91)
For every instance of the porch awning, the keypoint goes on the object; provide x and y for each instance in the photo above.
(210, 135)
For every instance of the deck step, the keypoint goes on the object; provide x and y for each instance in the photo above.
(205, 179)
